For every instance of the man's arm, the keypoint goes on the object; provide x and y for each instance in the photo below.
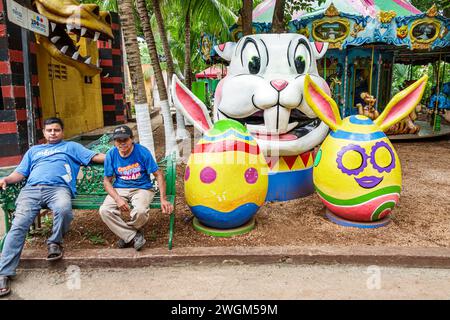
(122, 204)
(98, 158)
(166, 206)
(11, 179)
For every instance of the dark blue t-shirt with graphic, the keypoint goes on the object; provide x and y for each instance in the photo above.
(132, 171)
(55, 164)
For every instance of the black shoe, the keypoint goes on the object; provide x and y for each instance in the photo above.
(122, 244)
(139, 240)
(55, 252)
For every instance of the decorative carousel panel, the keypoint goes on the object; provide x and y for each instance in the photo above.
(333, 30)
(423, 32)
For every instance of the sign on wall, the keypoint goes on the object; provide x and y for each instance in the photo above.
(27, 18)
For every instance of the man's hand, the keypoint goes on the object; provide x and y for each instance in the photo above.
(123, 205)
(13, 178)
(166, 206)
(3, 184)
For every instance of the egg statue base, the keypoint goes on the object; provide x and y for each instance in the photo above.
(290, 177)
(226, 233)
(357, 224)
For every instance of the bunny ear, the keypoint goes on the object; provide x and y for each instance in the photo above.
(319, 49)
(322, 104)
(191, 106)
(402, 104)
(225, 50)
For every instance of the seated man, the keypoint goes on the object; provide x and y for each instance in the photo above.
(131, 164)
(51, 170)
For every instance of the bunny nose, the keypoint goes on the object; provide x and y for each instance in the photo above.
(279, 84)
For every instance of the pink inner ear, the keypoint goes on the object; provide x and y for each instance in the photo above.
(322, 104)
(319, 46)
(191, 107)
(222, 46)
(405, 103)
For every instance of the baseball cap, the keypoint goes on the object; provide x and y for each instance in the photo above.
(122, 132)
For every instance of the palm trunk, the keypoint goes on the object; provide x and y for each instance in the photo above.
(171, 144)
(181, 129)
(246, 14)
(278, 17)
(137, 78)
(187, 53)
(164, 39)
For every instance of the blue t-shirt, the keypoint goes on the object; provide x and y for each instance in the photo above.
(55, 164)
(132, 171)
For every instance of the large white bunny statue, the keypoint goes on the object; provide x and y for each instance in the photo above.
(263, 90)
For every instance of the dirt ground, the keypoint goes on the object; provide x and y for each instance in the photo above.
(422, 218)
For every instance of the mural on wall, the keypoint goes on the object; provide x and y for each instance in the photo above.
(69, 21)
(263, 90)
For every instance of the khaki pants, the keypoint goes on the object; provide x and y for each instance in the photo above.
(140, 200)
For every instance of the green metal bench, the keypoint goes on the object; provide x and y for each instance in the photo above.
(90, 191)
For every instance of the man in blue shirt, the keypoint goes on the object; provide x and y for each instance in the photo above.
(51, 171)
(131, 165)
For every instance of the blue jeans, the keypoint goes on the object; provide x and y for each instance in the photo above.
(28, 205)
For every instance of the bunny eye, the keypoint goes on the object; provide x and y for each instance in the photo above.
(352, 159)
(301, 58)
(382, 157)
(254, 65)
(250, 57)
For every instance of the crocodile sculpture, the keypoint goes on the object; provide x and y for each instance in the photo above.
(70, 20)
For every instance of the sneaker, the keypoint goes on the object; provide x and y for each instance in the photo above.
(122, 244)
(139, 240)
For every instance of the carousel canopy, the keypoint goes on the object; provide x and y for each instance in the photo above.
(214, 72)
(353, 23)
(263, 13)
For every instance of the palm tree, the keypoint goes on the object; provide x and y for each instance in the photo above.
(137, 79)
(215, 17)
(164, 39)
(246, 14)
(171, 144)
(278, 17)
(187, 45)
(181, 129)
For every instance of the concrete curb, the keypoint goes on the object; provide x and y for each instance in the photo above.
(129, 258)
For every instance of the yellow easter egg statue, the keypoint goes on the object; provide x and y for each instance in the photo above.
(357, 173)
(226, 180)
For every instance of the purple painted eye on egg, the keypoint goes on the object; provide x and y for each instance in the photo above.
(187, 173)
(352, 150)
(251, 175)
(208, 175)
(382, 146)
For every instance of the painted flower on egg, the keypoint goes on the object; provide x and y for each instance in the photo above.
(226, 178)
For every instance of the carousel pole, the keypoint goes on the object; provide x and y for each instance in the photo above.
(345, 82)
(371, 71)
(378, 80)
(437, 119)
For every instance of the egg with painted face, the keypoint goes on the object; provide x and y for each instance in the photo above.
(226, 177)
(357, 173)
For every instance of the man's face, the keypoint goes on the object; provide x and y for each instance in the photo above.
(124, 145)
(53, 133)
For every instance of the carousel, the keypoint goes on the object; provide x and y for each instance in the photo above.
(365, 40)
